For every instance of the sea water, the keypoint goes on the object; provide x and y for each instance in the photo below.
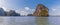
(29, 20)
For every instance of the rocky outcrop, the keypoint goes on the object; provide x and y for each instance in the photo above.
(41, 10)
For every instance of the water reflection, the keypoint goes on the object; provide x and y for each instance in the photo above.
(22, 21)
(54, 20)
(29, 20)
(42, 21)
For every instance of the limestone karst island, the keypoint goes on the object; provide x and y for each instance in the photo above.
(40, 10)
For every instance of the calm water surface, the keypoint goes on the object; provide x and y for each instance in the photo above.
(29, 20)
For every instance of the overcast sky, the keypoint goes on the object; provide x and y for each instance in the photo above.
(25, 7)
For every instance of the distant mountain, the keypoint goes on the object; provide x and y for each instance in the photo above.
(2, 12)
(29, 15)
(12, 13)
(41, 10)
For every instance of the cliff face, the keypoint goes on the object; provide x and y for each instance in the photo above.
(41, 10)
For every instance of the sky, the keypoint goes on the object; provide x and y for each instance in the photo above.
(25, 7)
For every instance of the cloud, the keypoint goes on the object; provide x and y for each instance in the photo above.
(55, 10)
(1, 1)
(25, 11)
(27, 8)
(3, 5)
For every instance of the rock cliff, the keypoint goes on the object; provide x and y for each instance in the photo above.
(41, 10)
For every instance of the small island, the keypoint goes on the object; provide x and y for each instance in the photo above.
(41, 10)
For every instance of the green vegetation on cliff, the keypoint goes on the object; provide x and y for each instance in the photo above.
(43, 13)
(41, 10)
